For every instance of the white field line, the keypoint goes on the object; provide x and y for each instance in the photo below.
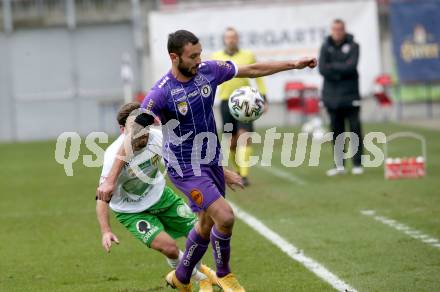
(292, 251)
(283, 174)
(434, 242)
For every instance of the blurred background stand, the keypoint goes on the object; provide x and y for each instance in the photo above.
(61, 59)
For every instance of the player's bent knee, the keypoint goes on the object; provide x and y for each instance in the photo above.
(223, 215)
(226, 221)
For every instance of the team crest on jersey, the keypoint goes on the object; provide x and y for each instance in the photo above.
(183, 107)
(130, 172)
(206, 90)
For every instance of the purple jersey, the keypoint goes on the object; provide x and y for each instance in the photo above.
(191, 104)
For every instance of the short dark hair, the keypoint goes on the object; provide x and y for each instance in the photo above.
(125, 111)
(339, 21)
(177, 40)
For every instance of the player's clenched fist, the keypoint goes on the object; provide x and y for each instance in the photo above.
(306, 62)
(105, 190)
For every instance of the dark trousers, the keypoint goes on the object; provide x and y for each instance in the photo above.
(338, 117)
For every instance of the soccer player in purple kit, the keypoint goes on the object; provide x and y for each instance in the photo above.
(192, 150)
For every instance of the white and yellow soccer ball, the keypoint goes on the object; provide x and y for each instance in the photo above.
(246, 104)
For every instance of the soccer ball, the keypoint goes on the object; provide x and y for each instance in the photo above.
(246, 104)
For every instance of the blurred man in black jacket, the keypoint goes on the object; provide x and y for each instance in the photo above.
(337, 64)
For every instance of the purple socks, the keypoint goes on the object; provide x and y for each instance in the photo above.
(221, 249)
(195, 249)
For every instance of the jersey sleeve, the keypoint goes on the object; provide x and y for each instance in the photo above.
(154, 101)
(223, 70)
(110, 157)
(106, 167)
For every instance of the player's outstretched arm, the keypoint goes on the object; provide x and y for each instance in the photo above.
(268, 68)
(107, 235)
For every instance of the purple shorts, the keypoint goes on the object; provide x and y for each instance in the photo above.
(201, 190)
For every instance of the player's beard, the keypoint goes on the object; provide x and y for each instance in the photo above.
(184, 70)
(231, 50)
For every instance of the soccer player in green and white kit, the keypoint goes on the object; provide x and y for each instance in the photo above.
(153, 213)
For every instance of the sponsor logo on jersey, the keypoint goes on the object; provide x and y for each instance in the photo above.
(181, 98)
(176, 91)
(150, 105)
(206, 90)
(224, 64)
(194, 93)
(130, 200)
(162, 83)
(199, 80)
(144, 167)
(157, 211)
(182, 107)
(197, 196)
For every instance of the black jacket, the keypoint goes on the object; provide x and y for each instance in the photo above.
(337, 64)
